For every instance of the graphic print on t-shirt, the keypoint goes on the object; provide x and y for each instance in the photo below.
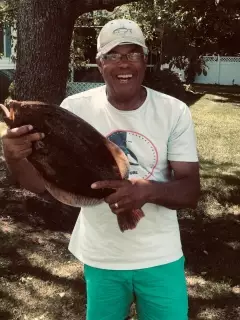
(141, 152)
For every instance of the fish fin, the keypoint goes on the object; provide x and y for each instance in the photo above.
(5, 110)
(129, 221)
(120, 158)
(69, 198)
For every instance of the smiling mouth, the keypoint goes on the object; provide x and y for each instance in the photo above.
(124, 78)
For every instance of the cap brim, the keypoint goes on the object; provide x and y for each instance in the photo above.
(108, 47)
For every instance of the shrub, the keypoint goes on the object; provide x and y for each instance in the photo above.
(11, 90)
(165, 81)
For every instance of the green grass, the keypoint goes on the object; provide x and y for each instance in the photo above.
(211, 233)
(39, 279)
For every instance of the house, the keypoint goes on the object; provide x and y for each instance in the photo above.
(7, 66)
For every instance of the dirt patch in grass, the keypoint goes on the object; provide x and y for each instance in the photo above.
(40, 279)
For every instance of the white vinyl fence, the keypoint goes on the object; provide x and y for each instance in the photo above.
(220, 70)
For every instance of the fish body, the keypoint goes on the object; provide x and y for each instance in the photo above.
(72, 155)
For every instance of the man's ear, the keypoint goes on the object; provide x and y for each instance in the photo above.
(146, 58)
(99, 64)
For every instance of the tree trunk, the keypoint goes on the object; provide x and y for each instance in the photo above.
(44, 33)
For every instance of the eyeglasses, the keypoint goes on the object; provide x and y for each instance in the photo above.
(116, 57)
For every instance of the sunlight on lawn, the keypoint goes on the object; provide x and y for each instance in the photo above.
(42, 281)
(217, 128)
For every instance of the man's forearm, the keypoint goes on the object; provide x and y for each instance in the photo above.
(177, 194)
(28, 177)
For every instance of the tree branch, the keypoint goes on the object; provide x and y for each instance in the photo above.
(84, 6)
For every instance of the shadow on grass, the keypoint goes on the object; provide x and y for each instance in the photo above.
(229, 303)
(25, 207)
(226, 94)
(5, 315)
(20, 206)
(216, 89)
(228, 98)
(235, 102)
(6, 300)
(15, 266)
(212, 243)
(192, 98)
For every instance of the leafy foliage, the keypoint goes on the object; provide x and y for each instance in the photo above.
(165, 81)
(179, 32)
(191, 26)
(8, 11)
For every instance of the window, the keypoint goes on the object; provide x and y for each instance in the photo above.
(1, 40)
(5, 41)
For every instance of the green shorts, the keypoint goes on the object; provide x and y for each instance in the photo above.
(160, 293)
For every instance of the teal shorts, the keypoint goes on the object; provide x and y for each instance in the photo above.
(160, 293)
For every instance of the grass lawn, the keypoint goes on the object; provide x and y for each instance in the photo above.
(40, 280)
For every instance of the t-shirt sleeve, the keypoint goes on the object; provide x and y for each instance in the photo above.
(65, 104)
(182, 144)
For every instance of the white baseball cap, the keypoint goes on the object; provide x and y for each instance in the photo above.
(118, 32)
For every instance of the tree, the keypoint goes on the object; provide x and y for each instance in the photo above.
(174, 29)
(44, 33)
(179, 32)
(204, 27)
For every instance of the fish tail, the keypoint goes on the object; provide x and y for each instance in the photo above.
(129, 221)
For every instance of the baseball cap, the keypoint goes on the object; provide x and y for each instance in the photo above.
(118, 32)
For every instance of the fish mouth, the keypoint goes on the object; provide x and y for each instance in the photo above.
(9, 113)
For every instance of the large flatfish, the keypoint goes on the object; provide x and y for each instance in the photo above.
(72, 155)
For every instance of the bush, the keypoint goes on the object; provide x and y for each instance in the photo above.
(11, 90)
(165, 81)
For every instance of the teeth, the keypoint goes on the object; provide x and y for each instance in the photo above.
(125, 76)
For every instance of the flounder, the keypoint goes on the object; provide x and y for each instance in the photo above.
(72, 156)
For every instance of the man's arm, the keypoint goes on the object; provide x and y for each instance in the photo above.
(182, 192)
(17, 146)
(26, 175)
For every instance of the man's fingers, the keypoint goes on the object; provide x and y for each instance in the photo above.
(120, 206)
(19, 151)
(35, 136)
(17, 132)
(25, 153)
(27, 140)
(111, 184)
(119, 211)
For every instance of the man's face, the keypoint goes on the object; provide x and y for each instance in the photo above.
(124, 77)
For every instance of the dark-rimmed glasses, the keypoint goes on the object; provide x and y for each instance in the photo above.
(117, 57)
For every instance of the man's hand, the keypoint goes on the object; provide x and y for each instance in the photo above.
(17, 143)
(17, 146)
(180, 193)
(129, 195)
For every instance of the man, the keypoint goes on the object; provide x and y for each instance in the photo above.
(156, 132)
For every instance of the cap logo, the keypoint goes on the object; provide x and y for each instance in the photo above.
(122, 31)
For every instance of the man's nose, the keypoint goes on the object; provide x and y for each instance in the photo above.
(124, 62)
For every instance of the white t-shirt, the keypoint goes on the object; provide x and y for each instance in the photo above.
(159, 131)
